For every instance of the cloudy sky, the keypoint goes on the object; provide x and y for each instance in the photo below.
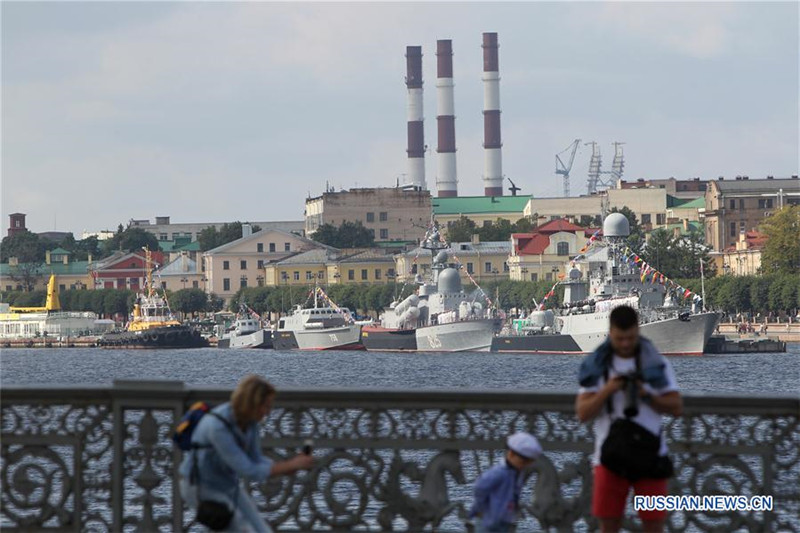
(226, 111)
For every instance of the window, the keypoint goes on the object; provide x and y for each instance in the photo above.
(260, 264)
(487, 267)
(384, 233)
(226, 265)
(162, 236)
(243, 282)
(389, 272)
(164, 285)
(741, 203)
(741, 226)
(469, 268)
(243, 265)
(505, 267)
(309, 275)
(296, 275)
(535, 276)
(414, 269)
(377, 273)
(62, 287)
(646, 219)
(765, 203)
(287, 247)
(272, 247)
(548, 276)
(370, 217)
(384, 216)
(733, 204)
(661, 218)
(562, 248)
(260, 247)
(120, 283)
(351, 275)
(195, 284)
(8, 287)
(733, 229)
(226, 284)
(364, 275)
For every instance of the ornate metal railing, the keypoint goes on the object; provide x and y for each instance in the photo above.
(101, 459)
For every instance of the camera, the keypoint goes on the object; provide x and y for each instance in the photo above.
(631, 387)
(308, 446)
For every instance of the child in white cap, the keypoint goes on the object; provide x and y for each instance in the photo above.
(497, 491)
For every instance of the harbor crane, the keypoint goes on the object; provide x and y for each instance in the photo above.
(563, 169)
(604, 179)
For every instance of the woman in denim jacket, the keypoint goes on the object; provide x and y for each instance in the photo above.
(230, 450)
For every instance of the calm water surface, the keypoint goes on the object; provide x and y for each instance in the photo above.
(728, 374)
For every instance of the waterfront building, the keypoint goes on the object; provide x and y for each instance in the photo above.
(241, 263)
(743, 258)
(69, 274)
(330, 266)
(182, 272)
(482, 261)
(740, 205)
(166, 230)
(123, 270)
(392, 213)
(543, 253)
(482, 210)
(684, 189)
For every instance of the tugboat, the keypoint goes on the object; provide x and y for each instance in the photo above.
(153, 325)
(322, 327)
(247, 332)
(581, 323)
(441, 317)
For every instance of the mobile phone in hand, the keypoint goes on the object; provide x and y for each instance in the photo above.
(308, 446)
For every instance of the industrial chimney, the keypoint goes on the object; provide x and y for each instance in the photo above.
(493, 158)
(416, 133)
(446, 181)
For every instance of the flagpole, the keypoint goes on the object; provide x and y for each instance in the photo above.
(702, 284)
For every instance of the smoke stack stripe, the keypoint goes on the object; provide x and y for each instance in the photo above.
(492, 144)
(416, 133)
(446, 178)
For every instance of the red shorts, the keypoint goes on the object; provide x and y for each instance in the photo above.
(610, 493)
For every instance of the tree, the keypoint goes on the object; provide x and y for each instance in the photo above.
(211, 237)
(189, 301)
(347, 235)
(131, 239)
(461, 230)
(678, 257)
(781, 253)
(27, 247)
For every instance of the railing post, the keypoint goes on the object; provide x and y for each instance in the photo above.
(161, 404)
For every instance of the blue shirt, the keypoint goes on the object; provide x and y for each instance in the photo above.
(497, 495)
(221, 464)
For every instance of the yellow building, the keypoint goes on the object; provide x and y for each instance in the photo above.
(483, 261)
(69, 274)
(330, 266)
(544, 253)
(744, 257)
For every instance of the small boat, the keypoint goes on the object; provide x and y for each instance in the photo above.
(248, 331)
(153, 325)
(322, 327)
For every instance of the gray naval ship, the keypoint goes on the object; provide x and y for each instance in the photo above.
(247, 332)
(603, 282)
(441, 317)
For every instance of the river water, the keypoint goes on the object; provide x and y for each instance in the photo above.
(768, 373)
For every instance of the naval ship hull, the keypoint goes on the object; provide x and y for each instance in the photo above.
(466, 336)
(380, 339)
(672, 336)
(261, 339)
(341, 338)
(155, 338)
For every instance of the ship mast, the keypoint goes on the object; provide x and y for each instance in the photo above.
(149, 269)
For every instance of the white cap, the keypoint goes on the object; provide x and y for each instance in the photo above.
(524, 444)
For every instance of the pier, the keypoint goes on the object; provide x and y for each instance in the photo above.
(101, 458)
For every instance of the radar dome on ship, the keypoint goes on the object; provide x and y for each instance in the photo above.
(574, 273)
(616, 225)
(449, 281)
(441, 257)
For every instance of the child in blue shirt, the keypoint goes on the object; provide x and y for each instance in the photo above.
(497, 490)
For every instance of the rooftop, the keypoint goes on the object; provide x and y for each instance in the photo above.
(75, 268)
(747, 185)
(466, 205)
(684, 203)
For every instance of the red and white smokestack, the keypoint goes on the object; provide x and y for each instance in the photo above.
(492, 145)
(416, 134)
(446, 181)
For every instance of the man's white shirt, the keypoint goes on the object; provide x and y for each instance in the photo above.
(647, 417)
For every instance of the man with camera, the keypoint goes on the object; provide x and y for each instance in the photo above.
(625, 386)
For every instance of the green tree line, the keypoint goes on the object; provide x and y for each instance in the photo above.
(757, 294)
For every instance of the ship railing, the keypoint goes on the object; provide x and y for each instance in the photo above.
(101, 458)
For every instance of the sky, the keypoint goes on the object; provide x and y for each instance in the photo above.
(217, 112)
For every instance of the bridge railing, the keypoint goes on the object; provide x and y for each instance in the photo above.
(101, 458)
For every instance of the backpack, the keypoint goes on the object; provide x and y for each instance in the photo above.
(183, 433)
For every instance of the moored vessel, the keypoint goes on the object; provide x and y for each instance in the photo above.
(248, 331)
(607, 281)
(153, 324)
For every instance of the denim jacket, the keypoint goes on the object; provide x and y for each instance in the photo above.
(222, 463)
(593, 367)
(497, 495)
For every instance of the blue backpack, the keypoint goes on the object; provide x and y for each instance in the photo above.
(183, 433)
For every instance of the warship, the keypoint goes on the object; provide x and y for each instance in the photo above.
(440, 317)
(591, 292)
(153, 325)
(322, 327)
(247, 332)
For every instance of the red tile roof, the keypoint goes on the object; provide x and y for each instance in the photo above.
(531, 243)
(560, 224)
